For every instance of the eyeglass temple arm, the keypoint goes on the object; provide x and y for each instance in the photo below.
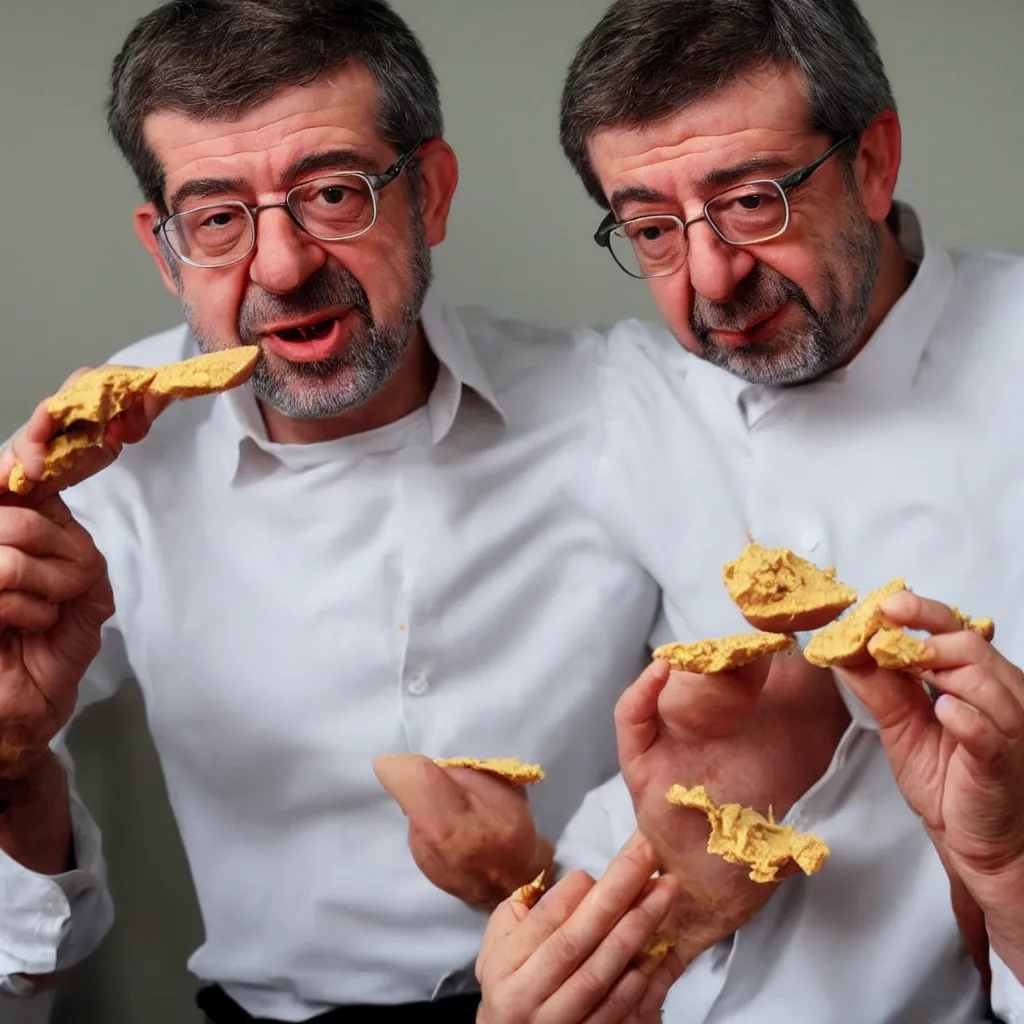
(799, 177)
(380, 180)
(603, 233)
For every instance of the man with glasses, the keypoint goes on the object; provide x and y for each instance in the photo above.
(864, 387)
(384, 546)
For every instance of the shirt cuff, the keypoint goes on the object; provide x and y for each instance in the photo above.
(1007, 992)
(51, 922)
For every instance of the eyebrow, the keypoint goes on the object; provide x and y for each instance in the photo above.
(328, 160)
(738, 173)
(636, 194)
(203, 188)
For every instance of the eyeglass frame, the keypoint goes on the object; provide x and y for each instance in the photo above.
(784, 184)
(376, 182)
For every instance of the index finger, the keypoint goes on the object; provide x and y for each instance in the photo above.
(505, 919)
(583, 921)
(28, 446)
(916, 612)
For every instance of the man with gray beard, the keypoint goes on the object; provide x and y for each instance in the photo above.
(864, 386)
(378, 554)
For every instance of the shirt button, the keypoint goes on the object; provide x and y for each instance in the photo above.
(418, 685)
(809, 540)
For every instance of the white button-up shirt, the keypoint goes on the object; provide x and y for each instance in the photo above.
(908, 462)
(435, 586)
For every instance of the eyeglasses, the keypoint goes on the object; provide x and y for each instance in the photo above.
(756, 211)
(333, 208)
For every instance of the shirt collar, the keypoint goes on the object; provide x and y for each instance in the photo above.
(239, 416)
(890, 360)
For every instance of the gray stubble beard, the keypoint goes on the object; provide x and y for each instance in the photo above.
(800, 354)
(373, 354)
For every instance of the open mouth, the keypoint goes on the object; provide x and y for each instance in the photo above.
(308, 332)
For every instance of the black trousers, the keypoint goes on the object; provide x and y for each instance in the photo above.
(220, 1008)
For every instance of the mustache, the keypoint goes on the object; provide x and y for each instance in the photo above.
(332, 286)
(763, 291)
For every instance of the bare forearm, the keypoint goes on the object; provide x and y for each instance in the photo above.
(1006, 934)
(35, 829)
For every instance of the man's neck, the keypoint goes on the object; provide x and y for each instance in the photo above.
(895, 274)
(407, 391)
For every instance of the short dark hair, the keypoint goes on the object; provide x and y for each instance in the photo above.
(219, 58)
(648, 59)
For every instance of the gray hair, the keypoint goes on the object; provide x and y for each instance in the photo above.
(220, 58)
(648, 59)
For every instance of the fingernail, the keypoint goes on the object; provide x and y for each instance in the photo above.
(895, 604)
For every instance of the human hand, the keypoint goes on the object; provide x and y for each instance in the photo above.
(760, 737)
(29, 447)
(54, 598)
(573, 957)
(471, 833)
(959, 761)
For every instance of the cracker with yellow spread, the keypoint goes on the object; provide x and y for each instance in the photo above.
(206, 374)
(778, 591)
(530, 894)
(511, 769)
(724, 654)
(986, 627)
(846, 642)
(743, 836)
(86, 406)
(651, 956)
(896, 649)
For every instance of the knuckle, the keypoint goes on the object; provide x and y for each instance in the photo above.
(564, 948)
(974, 677)
(11, 568)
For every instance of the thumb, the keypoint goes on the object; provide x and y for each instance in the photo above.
(894, 699)
(636, 714)
(418, 785)
(134, 423)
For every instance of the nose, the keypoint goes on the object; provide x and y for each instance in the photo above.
(285, 257)
(715, 268)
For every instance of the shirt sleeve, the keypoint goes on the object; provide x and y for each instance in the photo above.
(598, 830)
(51, 922)
(1007, 992)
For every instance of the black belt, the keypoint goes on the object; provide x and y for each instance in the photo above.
(220, 1008)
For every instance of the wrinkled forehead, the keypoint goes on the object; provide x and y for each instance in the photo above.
(338, 111)
(763, 113)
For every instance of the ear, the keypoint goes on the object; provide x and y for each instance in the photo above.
(878, 164)
(439, 173)
(146, 218)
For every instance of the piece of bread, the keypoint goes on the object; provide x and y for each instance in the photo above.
(511, 769)
(724, 654)
(742, 836)
(87, 405)
(896, 649)
(780, 592)
(846, 642)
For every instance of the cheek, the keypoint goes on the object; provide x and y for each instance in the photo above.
(215, 297)
(674, 299)
(382, 263)
(808, 261)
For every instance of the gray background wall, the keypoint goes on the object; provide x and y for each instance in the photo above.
(75, 286)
